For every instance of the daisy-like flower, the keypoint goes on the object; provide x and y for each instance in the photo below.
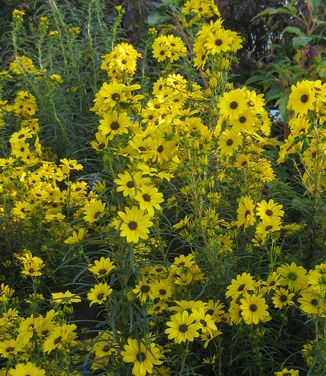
(149, 198)
(128, 183)
(254, 309)
(143, 355)
(135, 224)
(206, 322)
(229, 142)
(93, 211)
(9, 348)
(244, 282)
(282, 298)
(144, 291)
(293, 276)
(99, 293)
(245, 212)
(27, 369)
(218, 41)
(76, 237)
(114, 124)
(60, 338)
(102, 267)
(182, 327)
(233, 103)
(65, 298)
(302, 97)
(312, 303)
(267, 210)
(32, 265)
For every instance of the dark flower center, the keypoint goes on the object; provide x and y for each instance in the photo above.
(132, 225)
(183, 328)
(304, 98)
(100, 296)
(247, 212)
(269, 212)
(57, 340)
(314, 302)
(160, 149)
(10, 349)
(162, 291)
(115, 96)
(203, 322)
(283, 298)
(102, 271)
(106, 348)
(268, 228)
(242, 119)
(241, 287)
(144, 288)
(141, 356)
(146, 197)
(253, 308)
(233, 105)
(130, 184)
(210, 312)
(218, 42)
(115, 125)
(229, 142)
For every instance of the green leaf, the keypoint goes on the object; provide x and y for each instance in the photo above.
(282, 104)
(271, 11)
(314, 4)
(301, 41)
(293, 30)
(256, 78)
(156, 18)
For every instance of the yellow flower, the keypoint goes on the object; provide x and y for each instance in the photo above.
(302, 97)
(76, 237)
(244, 282)
(99, 293)
(182, 327)
(27, 369)
(245, 212)
(114, 124)
(229, 142)
(269, 210)
(93, 211)
(135, 224)
(254, 309)
(149, 198)
(32, 265)
(102, 267)
(65, 298)
(143, 355)
(282, 298)
(287, 372)
(61, 337)
(293, 276)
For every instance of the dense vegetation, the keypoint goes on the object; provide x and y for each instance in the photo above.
(162, 188)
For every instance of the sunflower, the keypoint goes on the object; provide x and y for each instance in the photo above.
(233, 103)
(144, 291)
(206, 322)
(143, 355)
(163, 289)
(254, 309)
(135, 224)
(293, 276)
(282, 298)
(244, 282)
(128, 183)
(149, 198)
(229, 142)
(302, 97)
(65, 298)
(114, 124)
(269, 210)
(218, 41)
(93, 211)
(182, 327)
(9, 348)
(245, 212)
(102, 267)
(27, 369)
(267, 227)
(99, 293)
(312, 303)
(61, 337)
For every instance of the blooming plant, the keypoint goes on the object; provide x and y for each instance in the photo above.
(152, 223)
